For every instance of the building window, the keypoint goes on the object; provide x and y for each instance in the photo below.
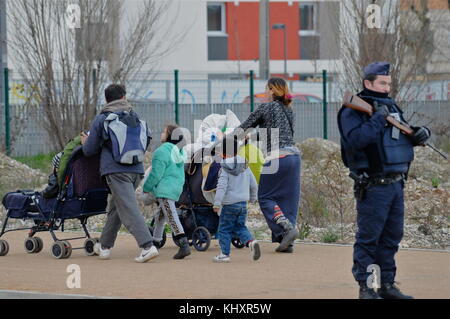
(217, 35)
(216, 18)
(308, 14)
(309, 37)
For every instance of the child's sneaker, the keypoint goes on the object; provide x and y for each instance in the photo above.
(221, 258)
(147, 254)
(255, 249)
(100, 252)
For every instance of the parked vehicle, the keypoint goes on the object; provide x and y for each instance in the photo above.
(297, 97)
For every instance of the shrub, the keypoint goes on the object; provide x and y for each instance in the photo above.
(330, 236)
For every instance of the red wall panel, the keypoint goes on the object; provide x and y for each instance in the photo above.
(243, 30)
(282, 12)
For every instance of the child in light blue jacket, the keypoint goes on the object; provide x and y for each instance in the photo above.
(236, 186)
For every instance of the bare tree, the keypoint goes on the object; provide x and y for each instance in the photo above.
(405, 39)
(68, 67)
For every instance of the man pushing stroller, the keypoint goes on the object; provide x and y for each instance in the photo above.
(117, 133)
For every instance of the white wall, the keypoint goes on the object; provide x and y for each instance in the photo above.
(189, 18)
(191, 54)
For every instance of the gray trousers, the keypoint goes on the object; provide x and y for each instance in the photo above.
(123, 209)
(167, 212)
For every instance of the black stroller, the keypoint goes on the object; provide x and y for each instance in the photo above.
(83, 195)
(196, 214)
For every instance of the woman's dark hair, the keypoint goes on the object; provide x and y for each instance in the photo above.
(115, 92)
(174, 134)
(280, 90)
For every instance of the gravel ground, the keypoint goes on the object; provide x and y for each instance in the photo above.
(327, 212)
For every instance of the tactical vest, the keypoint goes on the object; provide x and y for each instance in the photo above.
(387, 156)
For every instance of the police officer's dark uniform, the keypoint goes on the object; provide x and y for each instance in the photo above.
(378, 156)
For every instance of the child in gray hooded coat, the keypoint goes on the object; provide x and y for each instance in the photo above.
(235, 187)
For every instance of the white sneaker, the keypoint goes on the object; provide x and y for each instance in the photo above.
(147, 254)
(221, 258)
(101, 253)
(255, 249)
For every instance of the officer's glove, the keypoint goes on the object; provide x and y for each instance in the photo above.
(421, 135)
(381, 109)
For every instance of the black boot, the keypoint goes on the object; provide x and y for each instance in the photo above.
(289, 250)
(366, 292)
(289, 235)
(184, 249)
(390, 291)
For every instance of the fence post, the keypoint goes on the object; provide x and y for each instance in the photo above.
(177, 97)
(252, 91)
(210, 96)
(7, 118)
(325, 122)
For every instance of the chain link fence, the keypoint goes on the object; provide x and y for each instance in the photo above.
(154, 97)
(29, 137)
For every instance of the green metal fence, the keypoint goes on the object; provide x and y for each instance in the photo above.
(183, 98)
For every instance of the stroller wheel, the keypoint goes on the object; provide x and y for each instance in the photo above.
(58, 250)
(89, 246)
(31, 245)
(4, 247)
(40, 244)
(158, 244)
(201, 238)
(61, 249)
(237, 243)
(68, 247)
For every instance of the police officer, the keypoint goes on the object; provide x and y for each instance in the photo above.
(378, 156)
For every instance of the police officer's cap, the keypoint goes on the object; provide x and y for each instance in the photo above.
(377, 68)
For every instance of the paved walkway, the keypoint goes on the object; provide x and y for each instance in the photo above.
(313, 271)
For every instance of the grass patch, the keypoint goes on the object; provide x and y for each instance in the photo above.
(330, 237)
(305, 231)
(41, 162)
(435, 181)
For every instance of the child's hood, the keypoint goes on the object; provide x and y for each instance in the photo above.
(178, 155)
(234, 165)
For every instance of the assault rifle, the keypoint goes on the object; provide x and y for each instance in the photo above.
(356, 103)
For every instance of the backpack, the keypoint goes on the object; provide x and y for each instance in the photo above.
(128, 137)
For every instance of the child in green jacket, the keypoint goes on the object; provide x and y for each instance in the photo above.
(166, 182)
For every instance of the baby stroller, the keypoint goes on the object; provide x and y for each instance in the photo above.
(196, 213)
(83, 195)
